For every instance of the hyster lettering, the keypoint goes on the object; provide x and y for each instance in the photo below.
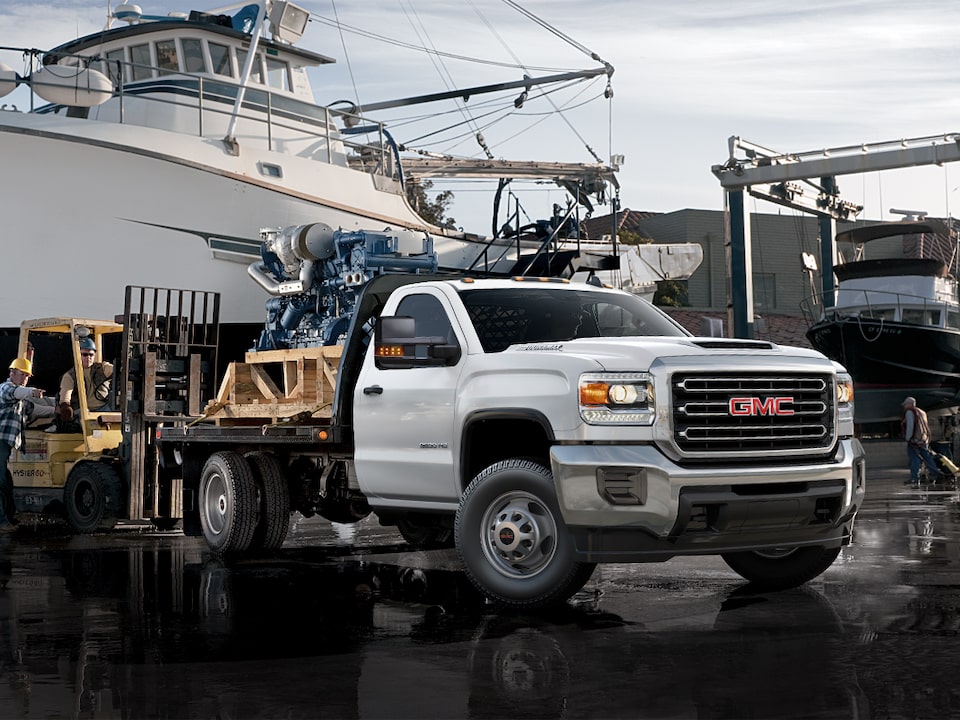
(779, 406)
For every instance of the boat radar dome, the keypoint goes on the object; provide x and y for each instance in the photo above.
(128, 13)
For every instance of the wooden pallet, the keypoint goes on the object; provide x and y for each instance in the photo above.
(249, 392)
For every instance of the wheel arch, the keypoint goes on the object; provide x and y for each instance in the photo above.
(498, 434)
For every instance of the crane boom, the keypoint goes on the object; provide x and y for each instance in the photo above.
(750, 164)
(775, 176)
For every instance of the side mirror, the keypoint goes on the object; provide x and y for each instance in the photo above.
(397, 346)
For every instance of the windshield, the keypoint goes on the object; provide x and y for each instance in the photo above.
(504, 317)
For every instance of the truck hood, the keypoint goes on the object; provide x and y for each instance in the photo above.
(641, 353)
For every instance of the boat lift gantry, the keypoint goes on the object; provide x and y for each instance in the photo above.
(781, 178)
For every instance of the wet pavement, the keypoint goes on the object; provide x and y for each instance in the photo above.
(348, 622)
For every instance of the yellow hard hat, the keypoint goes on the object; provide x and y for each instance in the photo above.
(23, 365)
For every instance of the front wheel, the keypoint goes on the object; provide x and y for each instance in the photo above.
(512, 540)
(92, 497)
(781, 568)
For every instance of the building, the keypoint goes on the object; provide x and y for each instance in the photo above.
(780, 282)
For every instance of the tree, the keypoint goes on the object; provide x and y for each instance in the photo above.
(631, 237)
(671, 293)
(433, 211)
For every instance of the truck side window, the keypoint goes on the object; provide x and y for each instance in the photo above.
(430, 317)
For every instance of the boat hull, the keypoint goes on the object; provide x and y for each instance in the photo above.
(891, 360)
(93, 207)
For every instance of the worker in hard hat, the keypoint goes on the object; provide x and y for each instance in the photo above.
(18, 405)
(96, 380)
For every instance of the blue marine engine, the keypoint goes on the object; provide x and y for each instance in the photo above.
(315, 274)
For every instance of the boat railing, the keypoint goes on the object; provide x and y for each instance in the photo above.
(542, 259)
(279, 117)
(883, 305)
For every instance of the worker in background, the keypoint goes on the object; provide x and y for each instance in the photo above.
(916, 431)
(18, 405)
(96, 380)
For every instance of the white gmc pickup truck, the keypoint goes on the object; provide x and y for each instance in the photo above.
(547, 426)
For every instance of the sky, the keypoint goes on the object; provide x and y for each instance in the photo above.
(791, 76)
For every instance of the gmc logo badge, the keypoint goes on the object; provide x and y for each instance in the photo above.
(756, 406)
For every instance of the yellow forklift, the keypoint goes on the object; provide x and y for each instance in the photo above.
(103, 467)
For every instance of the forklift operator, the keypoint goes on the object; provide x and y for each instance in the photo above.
(96, 380)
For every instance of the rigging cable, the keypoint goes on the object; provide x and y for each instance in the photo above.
(443, 72)
(566, 38)
(346, 55)
(341, 27)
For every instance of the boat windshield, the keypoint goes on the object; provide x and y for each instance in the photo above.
(502, 318)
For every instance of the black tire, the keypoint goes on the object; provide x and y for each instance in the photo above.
(781, 568)
(228, 503)
(515, 501)
(92, 497)
(273, 501)
(424, 532)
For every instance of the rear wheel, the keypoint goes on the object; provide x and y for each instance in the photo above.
(228, 502)
(512, 540)
(92, 497)
(781, 568)
(273, 497)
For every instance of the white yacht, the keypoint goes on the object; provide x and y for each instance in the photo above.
(154, 152)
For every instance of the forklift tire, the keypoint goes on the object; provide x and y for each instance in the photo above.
(228, 502)
(273, 497)
(92, 497)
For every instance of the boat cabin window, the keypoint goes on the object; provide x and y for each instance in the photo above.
(114, 65)
(953, 319)
(167, 56)
(277, 74)
(256, 73)
(140, 66)
(878, 313)
(193, 61)
(220, 58)
(916, 316)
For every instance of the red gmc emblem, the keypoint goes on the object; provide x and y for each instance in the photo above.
(758, 406)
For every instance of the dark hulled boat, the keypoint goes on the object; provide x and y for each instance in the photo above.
(895, 322)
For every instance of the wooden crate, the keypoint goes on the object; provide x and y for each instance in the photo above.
(249, 393)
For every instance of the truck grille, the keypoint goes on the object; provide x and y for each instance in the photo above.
(730, 413)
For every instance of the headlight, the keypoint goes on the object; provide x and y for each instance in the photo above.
(844, 388)
(617, 398)
(845, 411)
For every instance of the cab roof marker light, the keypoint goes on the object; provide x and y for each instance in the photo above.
(537, 278)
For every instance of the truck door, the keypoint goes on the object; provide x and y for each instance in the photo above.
(404, 431)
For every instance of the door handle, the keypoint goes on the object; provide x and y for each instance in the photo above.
(373, 390)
